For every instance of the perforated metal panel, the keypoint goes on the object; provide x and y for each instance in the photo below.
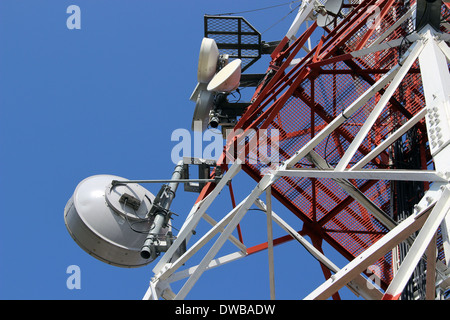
(236, 37)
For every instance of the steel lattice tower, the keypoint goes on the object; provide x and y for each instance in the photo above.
(363, 122)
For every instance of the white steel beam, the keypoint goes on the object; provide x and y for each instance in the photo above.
(419, 246)
(435, 80)
(266, 181)
(232, 238)
(191, 214)
(374, 48)
(303, 13)
(340, 119)
(359, 285)
(270, 242)
(390, 140)
(397, 23)
(385, 45)
(445, 49)
(151, 292)
(445, 230)
(305, 243)
(354, 192)
(368, 174)
(213, 264)
(200, 243)
(412, 54)
(401, 232)
(430, 292)
(187, 228)
(436, 88)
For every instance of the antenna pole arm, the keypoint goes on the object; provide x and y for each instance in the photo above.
(162, 214)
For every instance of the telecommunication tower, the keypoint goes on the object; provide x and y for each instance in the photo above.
(351, 136)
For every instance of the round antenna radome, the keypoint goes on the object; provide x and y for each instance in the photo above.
(207, 61)
(332, 9)
(110, 222)
(203, 106)
(227, 79)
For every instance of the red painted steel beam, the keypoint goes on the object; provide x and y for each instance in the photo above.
(384, 10)
(263, 246)
(277, 79)
(323, 114)
(233, 203)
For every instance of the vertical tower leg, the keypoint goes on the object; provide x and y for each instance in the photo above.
(436, 87)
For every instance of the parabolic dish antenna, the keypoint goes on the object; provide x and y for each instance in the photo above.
(204, 104)
(227, 79)
(110, 222)
(332, 9)
(207, 61)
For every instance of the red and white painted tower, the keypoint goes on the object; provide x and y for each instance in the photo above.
(362, 148)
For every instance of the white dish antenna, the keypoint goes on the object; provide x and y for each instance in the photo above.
(329, 13)
(203, 106)
(211, 82)
(227, 79)
(207, 61)
(207, 66)
(198, 88)
(110, 222)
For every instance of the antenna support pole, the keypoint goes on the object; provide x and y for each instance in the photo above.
(116, 182)
(162, 214)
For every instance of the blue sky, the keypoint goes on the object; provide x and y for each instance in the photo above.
(105, 99)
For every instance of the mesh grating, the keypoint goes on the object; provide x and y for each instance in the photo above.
(236, 37)
(321, 94)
